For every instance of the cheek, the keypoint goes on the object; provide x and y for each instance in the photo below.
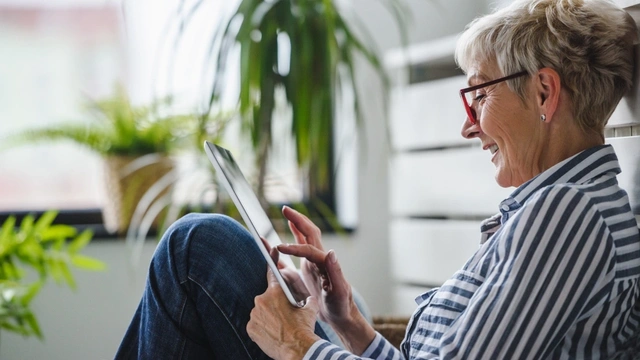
(491, 120)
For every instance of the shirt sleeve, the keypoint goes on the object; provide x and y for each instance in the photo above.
(379, 349)
(555, 264)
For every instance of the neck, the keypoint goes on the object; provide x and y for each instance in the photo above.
(567, 139)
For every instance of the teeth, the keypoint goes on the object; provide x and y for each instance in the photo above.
(493, 149)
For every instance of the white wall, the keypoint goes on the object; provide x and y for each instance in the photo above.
(89, 323)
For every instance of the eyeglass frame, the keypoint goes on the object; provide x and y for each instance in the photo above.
(471, 113)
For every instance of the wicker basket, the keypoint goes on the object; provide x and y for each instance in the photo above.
(124, 191)
(391, 328)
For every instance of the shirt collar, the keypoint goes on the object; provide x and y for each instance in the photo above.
(578, 169)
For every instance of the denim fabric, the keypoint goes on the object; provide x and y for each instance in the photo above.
(203, 278)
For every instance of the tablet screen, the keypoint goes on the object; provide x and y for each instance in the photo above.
(247, 202)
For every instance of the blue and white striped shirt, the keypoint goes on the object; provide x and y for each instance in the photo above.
(556, 277)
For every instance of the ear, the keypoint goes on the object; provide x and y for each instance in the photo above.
(548, 89)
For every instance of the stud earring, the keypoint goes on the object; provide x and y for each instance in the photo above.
(543, 117)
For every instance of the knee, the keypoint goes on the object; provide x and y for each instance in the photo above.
(212, 234)
(205, 242)
(205, 227)
(210, 223)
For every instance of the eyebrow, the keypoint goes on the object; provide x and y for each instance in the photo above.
(479, 78)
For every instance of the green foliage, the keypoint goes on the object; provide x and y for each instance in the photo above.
(119, 128)
(322, 60)
(49, 251)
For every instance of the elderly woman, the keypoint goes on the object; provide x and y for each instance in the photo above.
(556, 275)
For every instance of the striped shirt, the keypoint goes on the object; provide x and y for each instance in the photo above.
(555, 277)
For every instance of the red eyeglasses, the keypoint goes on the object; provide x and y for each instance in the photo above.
(468, 95)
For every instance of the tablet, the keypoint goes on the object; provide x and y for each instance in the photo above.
(248, 205)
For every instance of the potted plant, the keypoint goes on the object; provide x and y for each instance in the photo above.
(135, 143)
(43, 249)
(197, 176)
(320, 49)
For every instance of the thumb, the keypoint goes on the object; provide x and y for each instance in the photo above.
(271, 278)
(311, 304)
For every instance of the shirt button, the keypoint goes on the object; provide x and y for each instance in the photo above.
(505, 207)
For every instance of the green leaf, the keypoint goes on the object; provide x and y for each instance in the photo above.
(66, 274)
(81, 241)
(87, 263)
(91, 138)
(31, 292)
(58, 245)
(33, 324)
(45, 221)
(14, 328)
(30, 250)
(56, 232)
(7, 244)
(26, 227)
(54, 270)
(7, 228)
(9, 270)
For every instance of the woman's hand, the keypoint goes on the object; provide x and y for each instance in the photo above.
(282, 331)
(325, 281)
(290, 274)
(321, 272)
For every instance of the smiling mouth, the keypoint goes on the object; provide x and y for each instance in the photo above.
(493, 149)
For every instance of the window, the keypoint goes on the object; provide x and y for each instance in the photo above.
(61, 55)
(52, 59)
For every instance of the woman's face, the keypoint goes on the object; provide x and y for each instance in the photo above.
(507, 128)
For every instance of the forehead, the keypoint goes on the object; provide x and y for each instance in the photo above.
(480, 72)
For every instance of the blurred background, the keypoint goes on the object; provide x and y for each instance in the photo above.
(57, 55)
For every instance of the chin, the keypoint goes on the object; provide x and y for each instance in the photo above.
(503, 184)
(503, 179)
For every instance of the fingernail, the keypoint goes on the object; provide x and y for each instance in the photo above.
(292, 209)
(333, 258)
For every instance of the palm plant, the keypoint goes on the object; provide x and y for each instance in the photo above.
(323, 48)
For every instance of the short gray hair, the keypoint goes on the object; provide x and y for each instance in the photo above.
(588, 42)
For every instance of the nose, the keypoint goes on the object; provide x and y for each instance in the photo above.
(469, 130)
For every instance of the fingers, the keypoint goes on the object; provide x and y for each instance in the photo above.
(267, 246)
(275, 255)
(309, 252)
(338, 283)
(299, 236)
(305, 226)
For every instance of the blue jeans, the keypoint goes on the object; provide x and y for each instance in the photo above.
(202, 282)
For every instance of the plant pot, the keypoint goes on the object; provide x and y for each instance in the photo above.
(127, 179)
